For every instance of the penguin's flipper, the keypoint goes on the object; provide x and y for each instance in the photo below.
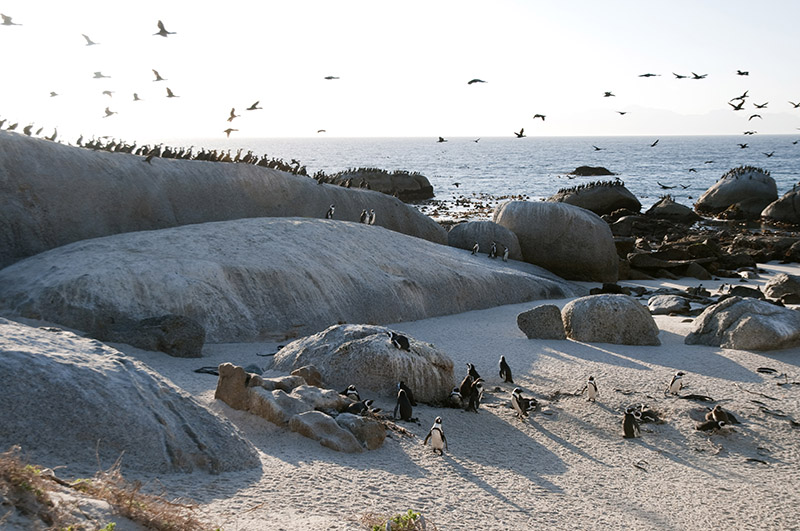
(426, 438)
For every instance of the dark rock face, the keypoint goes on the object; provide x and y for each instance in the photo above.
(176, 335)
(405, 185)
(742, 193)
(542, 322)
(600, 197)
(464, 236)
(591, 171)
(668, 209)
(785, 209)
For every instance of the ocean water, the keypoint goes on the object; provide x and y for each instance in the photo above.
(493, 169)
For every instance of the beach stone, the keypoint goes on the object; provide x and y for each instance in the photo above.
(542, 322)
(52, 194)
(781, 285)
(601, 198)
(407, 186)
(275, 406)
(744, 191)
(464, 235)
(323, 428)
(362, 355)
(284, 383)
(667, 304)
(321, 399)
(785, 209)
(667, 208)
(368, 431)
(697, 271)
(232, 384)
(310, 374)
(618, 319)
(746, 324)
(69, 399)
(567, 240)
(317, 275)
(176, 335)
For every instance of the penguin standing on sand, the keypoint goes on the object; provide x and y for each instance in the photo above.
(329, 213)
(505, 370)
(591, 389)
(364, 217)
(676, 384)
(403, 405)
(476, 248)
(630, 427)
(399, 341)
(475, 395)
(472, 372)
(521, 404)
(465, 387)
(409, 394)
(493, 251)
(436, 436)
(505, 254)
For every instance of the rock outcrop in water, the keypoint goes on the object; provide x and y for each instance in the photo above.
(52, 195)
(785, 209)
(262, 278)
(742, 193)
(602, 197)
(406, 186)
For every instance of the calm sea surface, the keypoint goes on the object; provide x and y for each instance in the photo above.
(536, 167)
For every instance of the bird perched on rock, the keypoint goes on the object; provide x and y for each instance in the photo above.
(363, 217)
(351, 392)
(475, 248)
(371, 220)
(399, 341)
(493, 250)
(505, 254)
(505, 370)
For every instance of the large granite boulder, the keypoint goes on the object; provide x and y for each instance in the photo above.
(52, 194)
(744, 192)
(407, 186)
(362, 355)
(67, 399)
(324, 428)
(618, 319)
(542, 322)
(567, 240)
(263, 278)
(464, 235)
(783, 285)
(785, 209)
(601, 197)
(366, 430)
(747, 324)
(176, 335)
(667, 304)
(667, 208)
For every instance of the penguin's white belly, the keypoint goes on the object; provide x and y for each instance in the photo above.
(436, 440)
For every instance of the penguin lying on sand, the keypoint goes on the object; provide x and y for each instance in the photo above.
(710, 425)
(720, 415)
(361, 407)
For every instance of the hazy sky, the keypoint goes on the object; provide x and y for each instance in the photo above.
(403, 67)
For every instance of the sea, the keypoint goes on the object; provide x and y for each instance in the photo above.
(488, 171)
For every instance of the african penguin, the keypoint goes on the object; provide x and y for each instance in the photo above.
(472, 372)
(710, 425)
(505, 370)
(630, 427)
(399, 341)
(371, 220)
(404, 405)
(475, 395)
(493, 251)
(359, 408)
(329, 213)
(521, 404)
(401, 385)
(364, 217)
(645, 414)
(454, 400)
(591, 388)
(475, 248)
(721, 415)
(436, 436)
(676, 384)
(351, 392)
(505, 254)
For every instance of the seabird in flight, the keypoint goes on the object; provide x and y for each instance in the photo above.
(737, 107)
(762, 106)
(254, 107)
(170, 94)
(476, 80)
(162, 30)
(233, 114)
(678, 76)
(158, 76)
(649, 75)
(608, 94)
(542, 116)
(754, 116)
(7, 21)
(742, 73)
(228, 131)
(109, 112)
(99, 75)
(698, 76)
(89, 42)
(331, 77)
(521, 133)
(654, 143)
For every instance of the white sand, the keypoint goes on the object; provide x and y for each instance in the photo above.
(567, 467)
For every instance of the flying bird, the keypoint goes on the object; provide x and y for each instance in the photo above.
(233, 114)
(794, 105)
(738, 107)
(228, 131)
(7, 21)
(521, 133)
(136, 97)
(89, 42)
(476, 80)
(742, 146)
(608, 94)
(53, 94)
(321, 131)
(622, 113)
(750, 132)
(742, 73)
(542, 116)
(769, 154)
(254, 107)
(331, 77)
(441, 140)
(170, 94)
(654, 143)
(754, 116)
(742, 97)
(649, 75)
(598, 148)
(108, 93)
(162, 30)
(158, 76)
(100, 75)
(698, 76)
(762, 106)
(109, 112)
(678, 76)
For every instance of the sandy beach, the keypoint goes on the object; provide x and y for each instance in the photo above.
(565, 467)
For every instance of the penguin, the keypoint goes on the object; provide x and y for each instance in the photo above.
(493, 251)
(521, 404)
(360, 407)
(675, 385)
(371, 220)
(721, 415)
(476, 248)
(329, 213)
(455, 400)
(409, 394)
(403, 405)
(364, 217)
(710, 425)
(505, 254)
(591, 388)
(645, 414)
(630, 427)
(399, 341)
(436, 436)
(472, 372)
(505, 370)
(351, 393)
(475, 395)
(465, 387)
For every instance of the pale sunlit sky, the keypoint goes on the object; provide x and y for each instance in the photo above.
(403, 67)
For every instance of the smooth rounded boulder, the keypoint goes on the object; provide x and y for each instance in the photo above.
(667, 208)
(364, 356)
(618, 319)
(785, 209)
(744, 192)
(567, 240)
(464, 235)
(601, 197)
(542, 322)
(783, 285)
